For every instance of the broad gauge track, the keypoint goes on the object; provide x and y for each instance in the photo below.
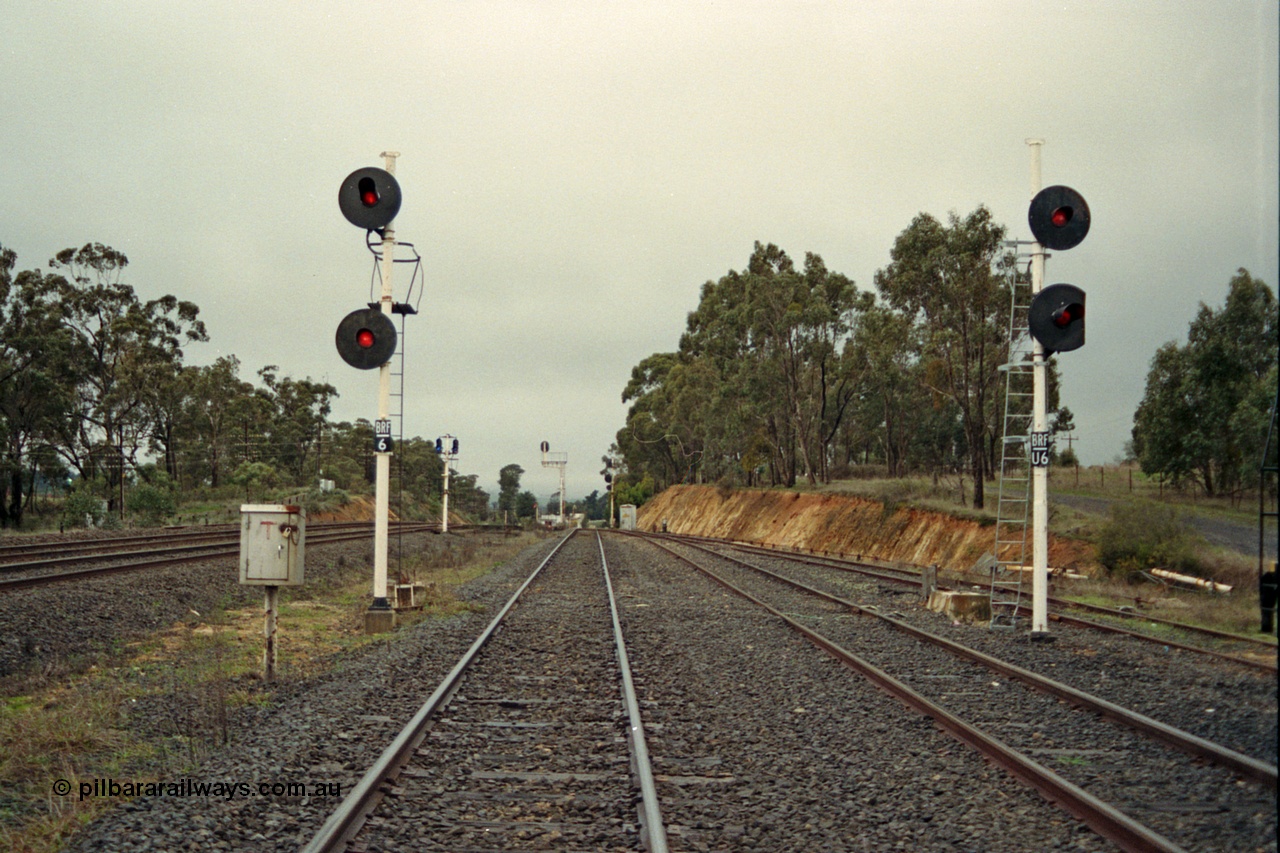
(529, 741)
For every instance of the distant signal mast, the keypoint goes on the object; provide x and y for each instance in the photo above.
(560, 461)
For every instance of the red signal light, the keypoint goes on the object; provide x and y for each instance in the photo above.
(368, 192)
(364, 338)
(1061, 216)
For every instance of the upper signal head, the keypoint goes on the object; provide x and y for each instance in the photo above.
(1059, 217)
(369, 198)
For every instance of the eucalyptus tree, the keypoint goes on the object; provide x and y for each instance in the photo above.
(1203, 414)
(951, 281)
(212, 399)
(769, 340)
(300, 408)
(121, 348)
(647, 441)
(509, 487)
(33, 394)
(891, 393)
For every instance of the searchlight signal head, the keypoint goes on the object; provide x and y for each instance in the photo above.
(1056, 318)
(1059, 218)
(369, 198)
(366, 338)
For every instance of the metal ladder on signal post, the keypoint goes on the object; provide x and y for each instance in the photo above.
(1013, 501)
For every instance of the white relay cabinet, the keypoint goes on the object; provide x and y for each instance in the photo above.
(272, 542)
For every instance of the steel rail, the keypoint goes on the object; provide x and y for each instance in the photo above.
(209, 552)
(90, 549)
(870, 571)
(1055, 600)
(1252, 768)
(352, 812)
(1103, 818)
(22, 549)
(1264, 665)
(174, 534)
(653, 833)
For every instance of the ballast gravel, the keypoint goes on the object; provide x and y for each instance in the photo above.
(322, 733)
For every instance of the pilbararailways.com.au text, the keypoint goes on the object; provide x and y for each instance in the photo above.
(197, 788)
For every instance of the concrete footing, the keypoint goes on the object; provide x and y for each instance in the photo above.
(961, 606)
(379, 621)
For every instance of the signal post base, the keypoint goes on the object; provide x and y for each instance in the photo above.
(1041, 637)
(379, 619)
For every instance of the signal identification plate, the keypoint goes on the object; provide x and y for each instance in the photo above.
(1039, 450)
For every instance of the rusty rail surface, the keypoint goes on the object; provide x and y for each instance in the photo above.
(878, 572)
(1252, 768)
(1102, 818)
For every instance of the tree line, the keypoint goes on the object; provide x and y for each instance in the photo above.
(1209, 403)
(96, 397)
(788, 372)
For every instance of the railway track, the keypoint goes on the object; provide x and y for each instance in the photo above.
(758, 739)
(1102, 774)
(39, 568)
(1255, 652)
(528, 743)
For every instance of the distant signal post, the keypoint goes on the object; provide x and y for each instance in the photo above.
(447, 450)
(559, 461)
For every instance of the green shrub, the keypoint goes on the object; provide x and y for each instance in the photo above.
(83, 509)
(152, 504)
(1144, 535)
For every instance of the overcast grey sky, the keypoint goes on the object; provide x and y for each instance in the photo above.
(573, 172)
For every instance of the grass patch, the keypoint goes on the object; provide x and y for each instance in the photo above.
(160, 706)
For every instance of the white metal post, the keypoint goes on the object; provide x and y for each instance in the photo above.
(1039, 473)
(562, 494)
(447, 455)
(377, 621)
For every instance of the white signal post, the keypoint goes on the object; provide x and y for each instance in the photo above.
(447, 456)
(558, 461)
(1039, 425)
(380, 617)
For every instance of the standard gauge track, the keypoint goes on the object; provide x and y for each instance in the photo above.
(1103, 773)
(528, 743)
(180, 550)
(1237, 648)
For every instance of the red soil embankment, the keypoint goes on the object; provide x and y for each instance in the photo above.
(839, 523)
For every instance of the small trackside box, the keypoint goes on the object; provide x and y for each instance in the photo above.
(627, 517)
(272, 543)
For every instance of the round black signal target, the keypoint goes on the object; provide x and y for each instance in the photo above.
(1056, 318)
(366, 338)
(369, 198)
(1059, 217)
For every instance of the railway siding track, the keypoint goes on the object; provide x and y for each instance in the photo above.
(1208, 696)
(1171, 793)
(1242, 649)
